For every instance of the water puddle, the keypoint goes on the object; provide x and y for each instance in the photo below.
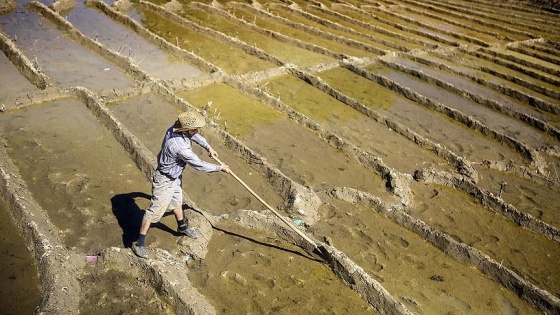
(255, 273)
(118, 38)
(379, 140)
(290, 147)
(19, 274)
(432, 125)
(525, 252)
(232, 59)
(57, 56)
(419, 275)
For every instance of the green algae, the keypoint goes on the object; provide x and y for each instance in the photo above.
(243, 112)
(223, 55)
(309, 100)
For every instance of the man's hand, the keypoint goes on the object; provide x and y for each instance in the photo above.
(212, 153)
(225, 168)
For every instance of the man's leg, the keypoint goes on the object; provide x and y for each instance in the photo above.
(162, 194)
(177, 205)
(138, 247)
(181, 225)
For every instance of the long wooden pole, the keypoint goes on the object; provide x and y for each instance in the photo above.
(288, 223)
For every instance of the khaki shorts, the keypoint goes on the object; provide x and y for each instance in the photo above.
(167, 194)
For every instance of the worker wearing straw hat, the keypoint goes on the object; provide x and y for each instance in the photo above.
(167, 192)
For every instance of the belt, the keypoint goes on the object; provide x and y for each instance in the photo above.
(167, 175)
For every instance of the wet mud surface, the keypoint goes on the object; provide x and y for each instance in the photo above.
(413, 146)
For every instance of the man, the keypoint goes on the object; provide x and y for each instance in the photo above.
(167, 192)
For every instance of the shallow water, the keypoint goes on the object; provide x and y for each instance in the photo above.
(540, 201)
(527, 253)
(432, 125)
(485, 93)
(20, 290)
(12, 83)
(292, 148)
(283, 51)
(144, 54)
(419, 275)
(502, 124)
(257, 273)
(76, 171)
(305, 36)
(367, 134)
(57, 56)
(231, 59)
(87, 183)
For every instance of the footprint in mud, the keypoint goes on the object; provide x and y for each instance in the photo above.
(240, 203)
(395, 239)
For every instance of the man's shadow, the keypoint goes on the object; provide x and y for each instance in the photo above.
(129, 215)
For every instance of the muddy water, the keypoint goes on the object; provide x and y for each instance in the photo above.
(487, 93)
(57, 56)
(259, 274)
(470, 65)
(20, 289)
(283, 51)
(530, 59)
(395, 150)
(396, 20)
(530, 255)
(363, 30)
(418, 15)
(295, 17)
(304, 36)
(419, 275)
(148, 116)
(390, 24)
(233, 60)
(503, 124)
(275, 140)
(432, 125)
(116, 37)
(12, 83)
(539, 201)
(92, 191)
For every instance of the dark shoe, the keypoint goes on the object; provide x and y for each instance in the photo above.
(139, 251)
(187, 232)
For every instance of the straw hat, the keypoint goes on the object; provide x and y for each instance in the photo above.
(189, 120)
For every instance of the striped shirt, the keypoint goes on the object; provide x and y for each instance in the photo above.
(176, 152)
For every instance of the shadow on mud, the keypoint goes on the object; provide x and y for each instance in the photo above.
(128, 215)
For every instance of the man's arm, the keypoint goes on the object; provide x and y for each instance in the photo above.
(201, 141)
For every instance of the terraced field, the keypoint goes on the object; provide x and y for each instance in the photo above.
(414, 144)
